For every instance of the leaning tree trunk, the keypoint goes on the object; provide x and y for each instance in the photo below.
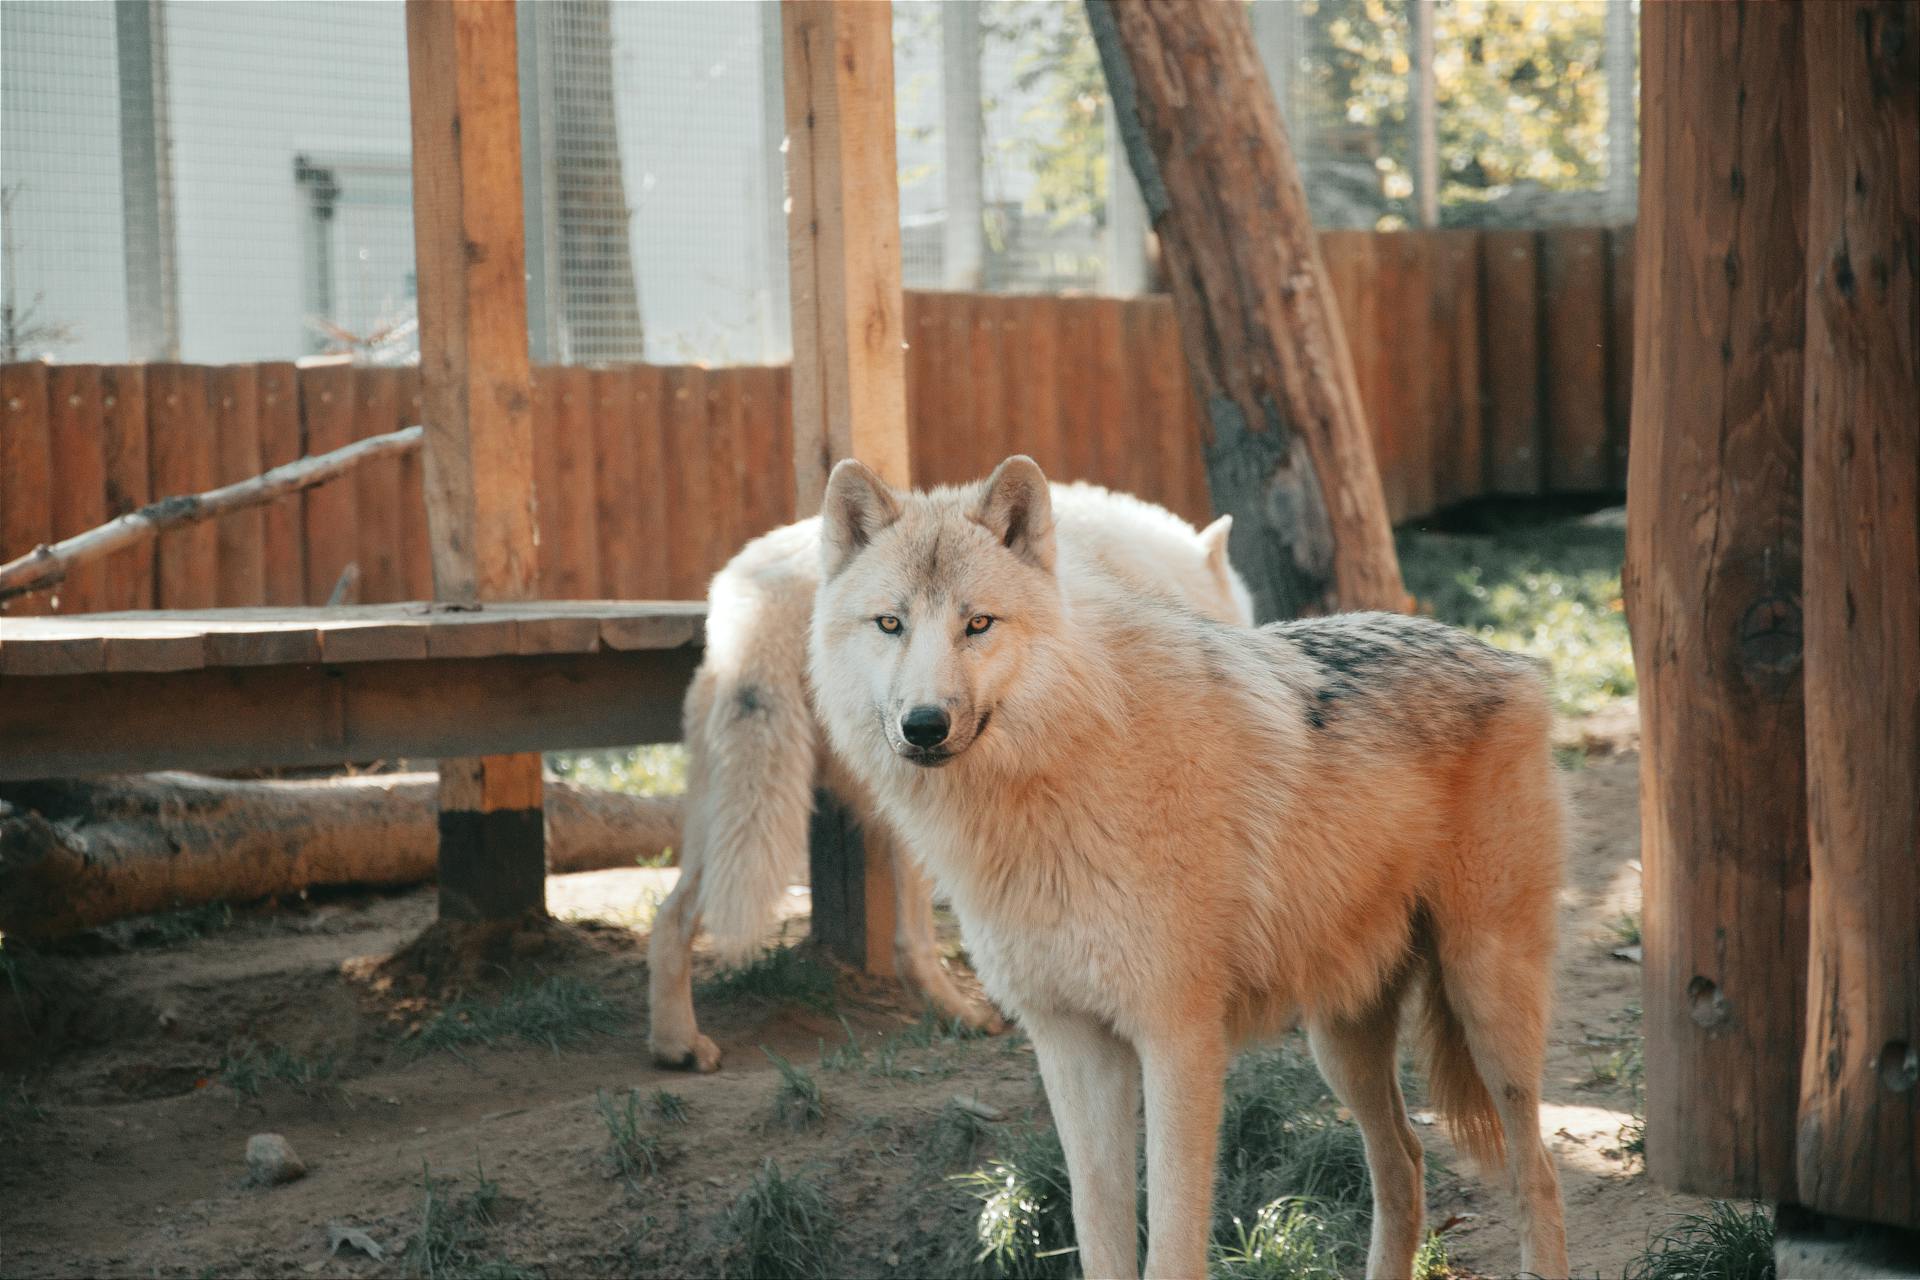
(1287, 449)
(75, 854)
(1713, 590)
(1859, 1136)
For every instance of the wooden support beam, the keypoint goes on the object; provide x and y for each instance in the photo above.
(1859, 1132)
(849, 369)
(476, 389)
(1713, 591)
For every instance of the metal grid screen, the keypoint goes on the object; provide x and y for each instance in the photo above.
(231, 182)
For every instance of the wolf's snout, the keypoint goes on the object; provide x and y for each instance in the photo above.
(925, 726)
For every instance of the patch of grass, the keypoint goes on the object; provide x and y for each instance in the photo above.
(555, 1012)
(451, 1237)
(1292, 1239)
(1281, 1137)
(632, 1150)
(886, 1061)
(1549, 590)
(247, 1068)
(781, 1226)
(636, 916)
(1727, 1242)
(955, 1135)
(793, 975)
(1626, 928)
(1025, 1227)
(641, 771)
(797, 1099)
(670, 1107)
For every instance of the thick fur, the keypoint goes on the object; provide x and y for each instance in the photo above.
(753, 743)
(1165, 838)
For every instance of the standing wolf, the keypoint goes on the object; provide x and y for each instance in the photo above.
(753, 757)
(1165, 837)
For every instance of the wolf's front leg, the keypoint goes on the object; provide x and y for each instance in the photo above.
(1093, 1088)
(1185, 1072)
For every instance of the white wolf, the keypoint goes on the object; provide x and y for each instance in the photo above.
(754, 757)
(1165, 837)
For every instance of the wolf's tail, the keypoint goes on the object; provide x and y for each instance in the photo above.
(1454, 1083)
(753, 755)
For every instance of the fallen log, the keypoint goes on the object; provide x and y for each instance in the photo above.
(48, 565)
(75, 854)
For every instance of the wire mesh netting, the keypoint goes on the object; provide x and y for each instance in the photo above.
(232, 182)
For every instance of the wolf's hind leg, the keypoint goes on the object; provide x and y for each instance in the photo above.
(1356, 1055)
(915, 950)
(673, 1035)
(1093, 1089)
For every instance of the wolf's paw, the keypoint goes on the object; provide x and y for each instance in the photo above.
(702, 1055)
(979, 1016)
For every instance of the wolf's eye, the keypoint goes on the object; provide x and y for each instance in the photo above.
(979, 622)
(888, 623)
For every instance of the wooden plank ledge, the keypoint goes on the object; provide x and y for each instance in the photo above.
(231, 688)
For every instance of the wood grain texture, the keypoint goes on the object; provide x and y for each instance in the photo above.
(1713, 591)
(648, 391)
(233, 392)
(1573, 301)
(1620, 306)
(1859, 1130)
(331, 513)
(617, 486)
(282, 533)
(1515, 430)
(380, 406)
(123, 405)
(1454, 317)
(1289, 452)
(75, 400)
(26, 472)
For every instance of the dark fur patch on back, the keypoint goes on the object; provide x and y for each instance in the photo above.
(750, 701)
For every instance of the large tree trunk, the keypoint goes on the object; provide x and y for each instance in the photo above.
(1859, 1135)
(74, 854)
(1713, 590)
(1288, 453)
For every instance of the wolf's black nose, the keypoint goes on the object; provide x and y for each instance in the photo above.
(925, 726)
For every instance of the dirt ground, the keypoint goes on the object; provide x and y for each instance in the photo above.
(122, 1154)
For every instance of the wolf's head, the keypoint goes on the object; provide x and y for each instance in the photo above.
(932, 608)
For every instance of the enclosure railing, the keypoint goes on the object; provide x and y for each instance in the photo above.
(1490, 363)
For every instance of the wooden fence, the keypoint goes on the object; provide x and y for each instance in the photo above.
(1490, 363)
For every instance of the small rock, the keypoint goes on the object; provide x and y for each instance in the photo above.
(978, 1109)
(354, 1238)
(271, 1160)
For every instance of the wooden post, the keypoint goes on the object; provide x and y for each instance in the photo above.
(849, 371)
(1288, 452)
(476, 400)
(1713, 591)
(1859, 1134)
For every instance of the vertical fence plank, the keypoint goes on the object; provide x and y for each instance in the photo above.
(181, 453)
(1619, 352)
(416, 538)
(616, 485)
(283, 542)
(986, 377)
(1076, 372)
(377, 489)
(331, 510)
(1511, 310)
(571, 513)
(953, 442)
(761, 474)
(1036, 361)
(724, 465)
(129, 481)
(1111, 391)
(686, 480)
(545, 411)
(916, 324)
(26, 472)
(234, 392)
(78, 439)
(1170, 404)
(648, 392)
(1573, 302)
(1454, 318)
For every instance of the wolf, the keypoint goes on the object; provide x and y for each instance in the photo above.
(753, 747)
(1165, 838)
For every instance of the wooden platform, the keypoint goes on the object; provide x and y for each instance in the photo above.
(227, 688)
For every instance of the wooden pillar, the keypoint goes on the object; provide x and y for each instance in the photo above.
(1859, 1132)
(470, 253)
(1713, 590)
(1288, 452)
(849, 370)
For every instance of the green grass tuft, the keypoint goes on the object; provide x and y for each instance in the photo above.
(1626, 928)
(792, 975)
(1292, 1239)
(451, 1237)
(955, 1135)
(670, 1107)
(796, 1099)
(633, 1152)
(639, 771)
(1549, 590)
(780, 1227)
(1025, 1227)
(1727, 1242)
(556, 1012)
(249, 1067)
(1281, 1137)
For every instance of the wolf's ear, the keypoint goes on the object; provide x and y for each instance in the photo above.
(1018, 510)
(1213, 540)
(857, 508)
